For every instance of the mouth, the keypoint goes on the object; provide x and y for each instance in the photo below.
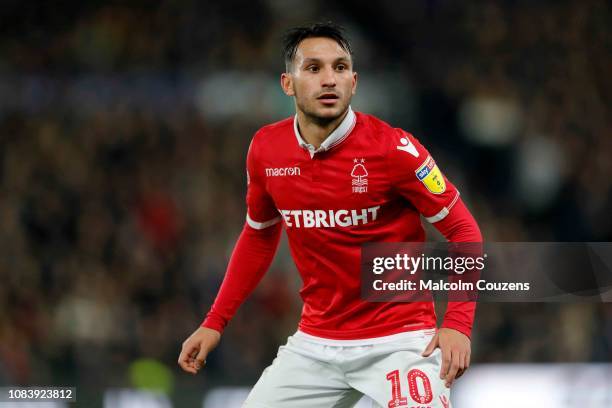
(328, 98)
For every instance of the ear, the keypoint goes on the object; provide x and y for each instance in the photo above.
(287, 84)
(354, 90)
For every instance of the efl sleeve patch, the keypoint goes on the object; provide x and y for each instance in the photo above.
(430, 175)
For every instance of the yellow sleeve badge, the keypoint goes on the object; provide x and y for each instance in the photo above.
(430, 175)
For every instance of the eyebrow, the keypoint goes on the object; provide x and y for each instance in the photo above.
(317, 60)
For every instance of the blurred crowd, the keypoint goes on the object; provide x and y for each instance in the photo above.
(123, 134)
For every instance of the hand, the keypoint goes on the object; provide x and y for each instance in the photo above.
(455, 348)
(196, 348)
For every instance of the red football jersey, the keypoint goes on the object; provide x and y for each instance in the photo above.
(367, 182)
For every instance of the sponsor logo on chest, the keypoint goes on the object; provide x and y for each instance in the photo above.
(282, 171)
(329, 218)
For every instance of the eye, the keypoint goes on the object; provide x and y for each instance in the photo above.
(312, 68)
(341, 67)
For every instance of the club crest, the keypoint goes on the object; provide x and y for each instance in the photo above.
(360, 176)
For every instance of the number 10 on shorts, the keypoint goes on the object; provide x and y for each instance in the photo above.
(420, 393)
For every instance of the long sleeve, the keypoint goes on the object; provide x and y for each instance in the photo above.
(254, 249)
(416, 175)
(459, 226)
(250, 260)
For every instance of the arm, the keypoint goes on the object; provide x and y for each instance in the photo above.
(453, 338)
(417, 177)
(459, 226)
(250, 260)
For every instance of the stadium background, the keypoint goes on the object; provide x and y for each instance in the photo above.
(123, 133)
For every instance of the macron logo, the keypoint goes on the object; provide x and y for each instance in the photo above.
(408, 147)
(282, 171)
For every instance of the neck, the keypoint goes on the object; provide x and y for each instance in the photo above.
(315, 131)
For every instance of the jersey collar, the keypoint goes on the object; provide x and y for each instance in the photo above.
(334, 138)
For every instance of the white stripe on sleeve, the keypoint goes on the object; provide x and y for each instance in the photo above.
(261, 225)
(443, 212)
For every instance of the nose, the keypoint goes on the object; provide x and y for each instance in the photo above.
(328, 79)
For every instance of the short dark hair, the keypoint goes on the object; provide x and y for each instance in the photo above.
(295, 36)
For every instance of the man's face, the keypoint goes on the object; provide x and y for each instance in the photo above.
(321, 79)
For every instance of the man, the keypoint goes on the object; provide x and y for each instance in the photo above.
(337, 179)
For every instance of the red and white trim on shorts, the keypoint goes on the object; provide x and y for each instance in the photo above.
(408, 335)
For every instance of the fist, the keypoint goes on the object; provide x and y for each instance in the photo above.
(196, 348)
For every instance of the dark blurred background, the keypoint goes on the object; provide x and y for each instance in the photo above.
(123, 133)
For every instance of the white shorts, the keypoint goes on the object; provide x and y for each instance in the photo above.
(310, 372)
